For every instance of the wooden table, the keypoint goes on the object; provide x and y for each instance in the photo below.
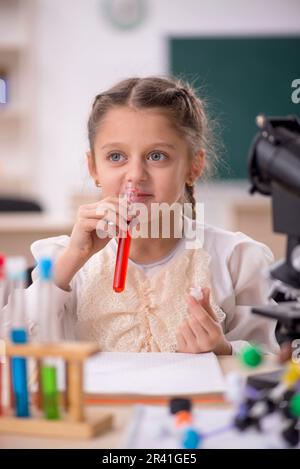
(121, 415)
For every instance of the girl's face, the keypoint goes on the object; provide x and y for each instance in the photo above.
(143, 148)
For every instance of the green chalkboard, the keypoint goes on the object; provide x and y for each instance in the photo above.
(241, 77)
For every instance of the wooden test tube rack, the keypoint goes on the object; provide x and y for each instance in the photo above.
(75, 424)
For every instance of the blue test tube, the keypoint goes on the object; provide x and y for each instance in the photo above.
(16, 271)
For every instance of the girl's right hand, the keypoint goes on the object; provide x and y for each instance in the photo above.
(84, 240)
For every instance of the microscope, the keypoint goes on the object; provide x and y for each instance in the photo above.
(274, 170)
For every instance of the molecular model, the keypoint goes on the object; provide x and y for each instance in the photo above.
(283, 399)
(253, 404)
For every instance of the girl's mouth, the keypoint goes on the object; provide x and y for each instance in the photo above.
(140, 196)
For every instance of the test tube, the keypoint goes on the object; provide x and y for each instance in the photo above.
(6, 387)
(48, 333)
(16, 271)
(123, 251)
(2, 325)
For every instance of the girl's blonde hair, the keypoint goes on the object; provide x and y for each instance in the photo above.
(176, 98)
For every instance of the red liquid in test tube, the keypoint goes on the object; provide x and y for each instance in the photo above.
(122, 254)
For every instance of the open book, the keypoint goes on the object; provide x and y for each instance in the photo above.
(153, 374)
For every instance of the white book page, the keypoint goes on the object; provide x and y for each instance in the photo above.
(153, 374)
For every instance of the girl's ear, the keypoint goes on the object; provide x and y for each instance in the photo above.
(201, 159)
(91, 165)
(197, 166)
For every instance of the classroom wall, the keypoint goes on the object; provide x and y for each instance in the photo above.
(77, 53)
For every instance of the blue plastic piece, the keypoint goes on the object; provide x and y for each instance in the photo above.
(45, 266)
(191, 439)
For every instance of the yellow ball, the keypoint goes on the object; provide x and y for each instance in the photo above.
(291, 374)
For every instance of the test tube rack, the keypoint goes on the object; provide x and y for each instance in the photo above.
(75, 424)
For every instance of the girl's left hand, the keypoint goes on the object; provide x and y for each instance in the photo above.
(202, 332)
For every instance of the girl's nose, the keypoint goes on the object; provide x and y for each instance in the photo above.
(136, 173)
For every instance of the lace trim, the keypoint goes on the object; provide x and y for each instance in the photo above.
(146, 316)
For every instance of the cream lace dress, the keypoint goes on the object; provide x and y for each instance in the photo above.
(146, 316)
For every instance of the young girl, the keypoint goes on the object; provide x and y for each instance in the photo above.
(151, 133)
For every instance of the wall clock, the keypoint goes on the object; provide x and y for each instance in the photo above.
(125, 14)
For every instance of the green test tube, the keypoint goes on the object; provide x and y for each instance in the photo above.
(48, 334)
(49, 391)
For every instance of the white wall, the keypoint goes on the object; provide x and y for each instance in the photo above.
(78, 54)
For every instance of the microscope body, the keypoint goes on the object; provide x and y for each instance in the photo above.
(274, 170)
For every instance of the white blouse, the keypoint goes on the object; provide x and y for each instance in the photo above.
(238, 266)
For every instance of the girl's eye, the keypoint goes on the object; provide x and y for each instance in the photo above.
(157, 156)
(115, 157)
